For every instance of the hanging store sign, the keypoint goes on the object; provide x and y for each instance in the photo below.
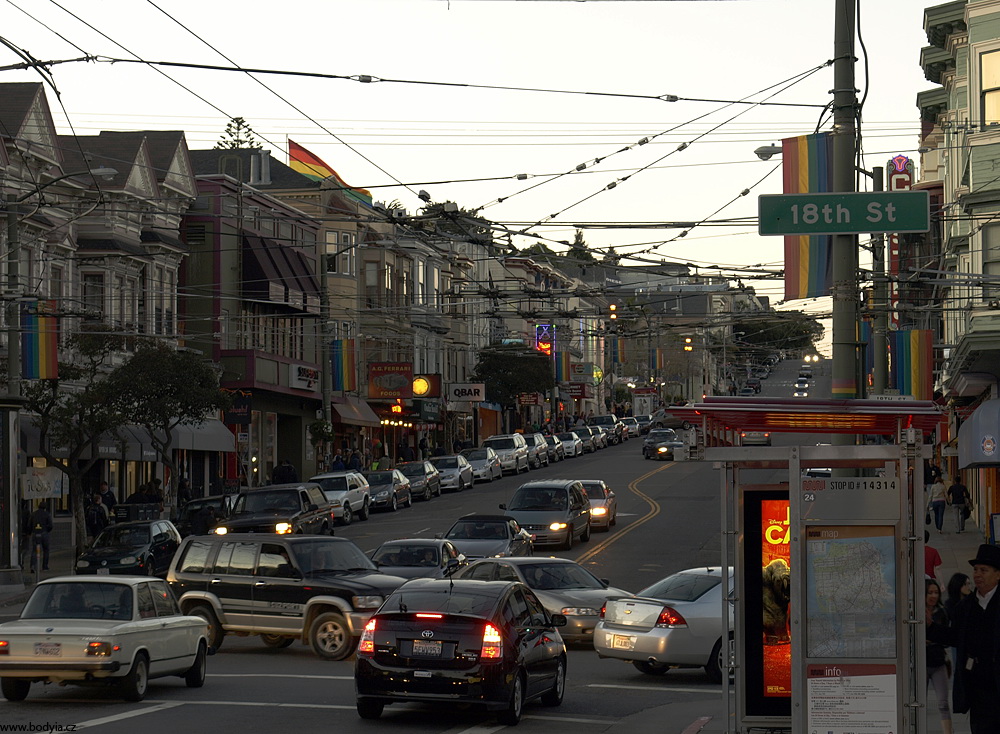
(390, 380)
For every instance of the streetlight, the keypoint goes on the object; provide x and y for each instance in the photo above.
(10, 404)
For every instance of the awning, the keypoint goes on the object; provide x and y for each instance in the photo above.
(354, 412)
(212, 435)
(979, 436)
(131, 444)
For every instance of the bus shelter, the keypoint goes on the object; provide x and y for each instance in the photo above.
(828, 596)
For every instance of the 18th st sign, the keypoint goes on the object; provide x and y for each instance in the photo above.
(844, 213)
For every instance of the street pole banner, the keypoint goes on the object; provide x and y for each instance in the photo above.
(40, 482)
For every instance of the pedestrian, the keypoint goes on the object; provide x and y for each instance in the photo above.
(384, 463)
(338, 463)
(958, 497)
(138, 497)
(936, 501)
(95, 517)
(975, 632)
(354, 463)
(932, 559)
(40, 523)
(959, 587)
(107, 497)
(938, 666)
(407, 452)
(423, 446)
(183, 493)
(284, 473)
(154, 493)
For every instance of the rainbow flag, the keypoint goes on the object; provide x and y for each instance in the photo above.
(343, 362)
(39, 340)
(562, 367)
(313, 167)
(807, 168)
(911, 367)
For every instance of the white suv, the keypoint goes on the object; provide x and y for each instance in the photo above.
(348, 494)
(512, 450)
(538, 450)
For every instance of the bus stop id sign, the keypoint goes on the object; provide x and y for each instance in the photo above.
(844, 213)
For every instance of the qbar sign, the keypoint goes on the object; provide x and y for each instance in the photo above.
(467, 392)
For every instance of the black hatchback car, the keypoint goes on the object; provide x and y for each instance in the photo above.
(488, 643)
(141, 548)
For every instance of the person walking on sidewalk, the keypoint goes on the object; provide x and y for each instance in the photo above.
(958, 497)
(40, 523)
(937, 499)
(938, 665)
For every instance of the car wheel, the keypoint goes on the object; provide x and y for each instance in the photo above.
(554, 696)
(369, 708)
(713, 668)
(324, 529)
(215, 632)
(330, 637)
(511, 715)
(134, 684)
(409, 499)
(364, 512)
(613, 520)
(195, 677)
(586, 533)
(347, 517)
(150, 567)
(427, 493)
(644, 666)
(568, 545)
(15, 689)
(393, 504)
(277, 641)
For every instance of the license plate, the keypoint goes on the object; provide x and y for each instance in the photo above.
(622, 642)
(428, 648)
(48, 649)
(104, 572)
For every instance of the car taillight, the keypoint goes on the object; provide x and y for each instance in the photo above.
(99, 649)
(366, 646)
(492, 644)
(603, 608)
(670, 618)
(4, 647)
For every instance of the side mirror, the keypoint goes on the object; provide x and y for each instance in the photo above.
(502, 506)
(438, 536)
(558, 620)
(606, 582)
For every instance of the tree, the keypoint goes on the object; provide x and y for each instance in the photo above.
(238, 134)
(770, 332)
(509, 371)
(75, 410)
(160, 388)
(462, 223)
(579, 252)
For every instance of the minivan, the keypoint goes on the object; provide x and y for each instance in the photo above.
(553, 511)
(512, 450)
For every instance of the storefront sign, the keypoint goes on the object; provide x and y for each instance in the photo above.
(467, 392)
(531, 398)
(427, 386)
(390, 380)
(238, 414)
(39, 482)
(577, 390)
(302, 377)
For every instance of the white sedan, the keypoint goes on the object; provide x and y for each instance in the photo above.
(98, 630)
(572, 443)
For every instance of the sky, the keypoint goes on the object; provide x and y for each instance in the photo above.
(436, 115)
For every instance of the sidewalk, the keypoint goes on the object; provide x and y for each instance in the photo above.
(62, 558)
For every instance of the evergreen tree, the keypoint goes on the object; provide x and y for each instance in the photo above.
(238, 134)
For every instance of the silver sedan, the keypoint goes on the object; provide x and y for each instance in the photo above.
(485, 463)
(603, 504)
(456, 472)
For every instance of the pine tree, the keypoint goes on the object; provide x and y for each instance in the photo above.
(238, 134)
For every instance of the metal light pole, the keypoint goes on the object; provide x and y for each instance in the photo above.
(880, 330)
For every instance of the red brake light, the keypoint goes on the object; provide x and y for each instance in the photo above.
(366, 646)
(4, 647)
(670, 618)
(603, 608)
(424, 615)
(492, 644)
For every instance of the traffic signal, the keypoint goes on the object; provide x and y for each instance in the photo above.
(687, 344)
(613, 308)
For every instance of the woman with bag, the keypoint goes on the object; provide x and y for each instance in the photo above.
(958, 497)
(938, 666)
(936, 502)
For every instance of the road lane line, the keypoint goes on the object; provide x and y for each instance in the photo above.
(126, 715)
(654, 511)
(274, 704)
(281, 675)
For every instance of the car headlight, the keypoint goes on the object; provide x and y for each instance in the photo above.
(82, 564)
(557, 526)
(579, 611)
(335, 503)
(221, 531)
(373, 601)
(383, 493)
(128, 560)
(598, 510)
(662, 449)
(282, 528)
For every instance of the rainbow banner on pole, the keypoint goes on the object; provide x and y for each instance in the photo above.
(39, 340)
(660, 359)
(343, 363)
(911, 368)
(807, 168)
(562, 367)
(312, 166)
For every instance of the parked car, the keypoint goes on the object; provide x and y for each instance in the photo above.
(492, 645)
(555, 448)
(755, 438)
(538, 450)
(456, 472)
(592, 436)
(614, 427)
(747, 392)
(281, 509)
(390, 489)
(418, 557)
(221, 504)
(348, 493)
(425, 479)
(481, 536)
(142, 548)
(631, 426)
(485, 463)
(676, 622)
(663, 418)
(661, 443)
(101, 632)
(753, 382)
(644, 422)
(313, 588)
(561, 585)
(553, 511)
(603, 504)
(512, 450)
(573, 443)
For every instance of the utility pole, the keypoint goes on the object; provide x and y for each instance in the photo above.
(880, 330)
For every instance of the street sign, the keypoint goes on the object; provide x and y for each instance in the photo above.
(844, 213)
(889, 396)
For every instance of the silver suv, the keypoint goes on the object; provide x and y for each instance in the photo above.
(512, 450)
(348, 494)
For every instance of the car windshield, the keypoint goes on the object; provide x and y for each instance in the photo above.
(548, 576)
(567, 437)
(594, 491)
(123, 536)
(413, 470)
(446, 462)
(332, 484)
(538, 498)
(285, 500)
(330, 556)
(603, 420)
(400, 554)
(661, 434)
(445, 601)
(474, 455)
(499, 443)
(379, 477)
(71, 600)
(477, 530)
(551, 440)
(681, 587)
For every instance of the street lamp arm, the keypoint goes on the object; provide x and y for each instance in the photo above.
(102, 171)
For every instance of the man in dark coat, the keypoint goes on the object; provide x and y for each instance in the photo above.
(40, 523)
(975, 632)
(284, 473)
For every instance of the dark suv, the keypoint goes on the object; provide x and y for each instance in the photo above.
(281, 509)
(616, 429)
(316, 589)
